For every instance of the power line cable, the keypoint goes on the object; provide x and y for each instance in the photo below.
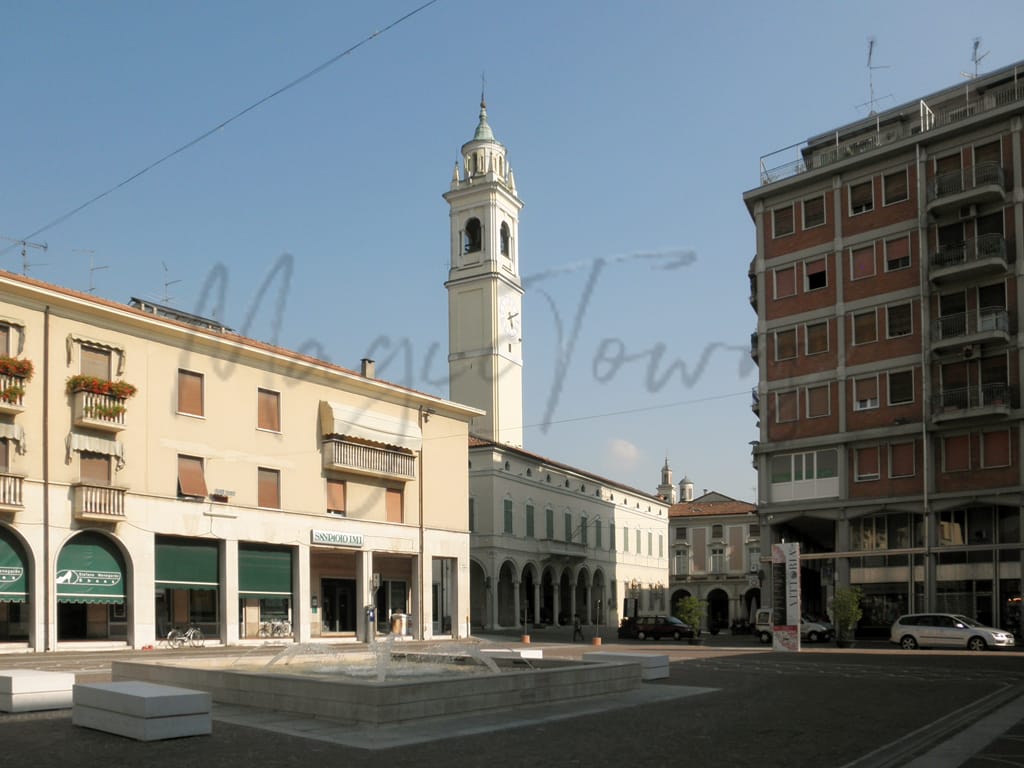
(302, 78)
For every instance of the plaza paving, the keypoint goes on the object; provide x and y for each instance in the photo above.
(729, 702)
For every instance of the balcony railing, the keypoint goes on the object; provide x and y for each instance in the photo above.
(810, 157)
(958, 326)
(98, 502)
(961, 401)
(976, 250)
(12, 394)
(105, 412)
(753, 346)
(755, 400)
(368, 459)
(964, 180)
(10, 491)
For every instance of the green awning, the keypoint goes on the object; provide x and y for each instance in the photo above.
(264, 572)
(90, 570)
(186, 563)
(13, 580)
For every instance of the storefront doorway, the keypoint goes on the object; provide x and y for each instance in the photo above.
(338, 605)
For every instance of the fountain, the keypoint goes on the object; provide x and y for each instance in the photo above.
(377, 684)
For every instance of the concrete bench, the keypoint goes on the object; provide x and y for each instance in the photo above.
(652, 666)
(30, 690)
(142, 711)
(514, 653)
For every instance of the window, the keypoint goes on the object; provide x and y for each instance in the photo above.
(650, 543)
(867, 463)
(472, 237)
(901, 387)
(268, 488)
(782, 221)
(6, 334)
(681, 533)
(583, 531)
(191, 478)
(817, 337)
(5, 455)
(529, 521)
(865, 393)
(995, 449)
(549, 523)
(785, 282)
(956, 453)
(190, 393)
(638, 541)
(505, 239)
(394, 505)
(472, 515)
(899, 321)
(611, 537)
(862, 197)
(894, 187)
(681, 563)
(901, 460)
(336, 499)
(94, 468)
(625, 539)
(815, 274)
(508, 516)
(897, 253)
(818, 401)
(814, 212)
(597, 534)
(794, 467)
(862, 262)
(718, 560)
(865, 327)
(268, 410)
(716, 531)
(786, 407)
(95, 362)
(785, 344)
(567, 519)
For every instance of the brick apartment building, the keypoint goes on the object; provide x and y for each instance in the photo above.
(887, 285)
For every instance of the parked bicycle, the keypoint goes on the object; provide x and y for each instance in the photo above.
(193, 636)
(278, 628)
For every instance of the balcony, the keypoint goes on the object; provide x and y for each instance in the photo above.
(981, 183)
(10, 492)
(972, 402)
(98, 503)
(959, 333)
(561, 550)
(978, 256)
(755, 404)
(753, 347)
(12, 394)
(106, 412)
(347, 456)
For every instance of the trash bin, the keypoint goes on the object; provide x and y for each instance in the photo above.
(399, 623)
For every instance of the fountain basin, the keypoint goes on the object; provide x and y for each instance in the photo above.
(370, 702)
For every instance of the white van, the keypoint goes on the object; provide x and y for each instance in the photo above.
(811, 630)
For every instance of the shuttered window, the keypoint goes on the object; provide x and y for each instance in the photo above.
(865, 327)
(862, 262)
(5, 339)
(865, 393)
(95, 362)
(782, 221)
(393, 506)
(785, 344)
(817, 338)
(995, 449)
(988, 153)
(268, 488)
(191, 478)
(269, 410)
(901, 460)
(785, 282)
(785, 406)
(956, 453)
(862, 197)
(897, 254)
(894, 187)
(190, 393)
(818, 404)
(867, 463)
(336, 497)
(816, 275)
(94, 468)
(814, 212)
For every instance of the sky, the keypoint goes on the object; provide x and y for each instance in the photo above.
(185, 139)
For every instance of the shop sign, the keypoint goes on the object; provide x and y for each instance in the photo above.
(10, 574)
(89, 578)
(337, 539)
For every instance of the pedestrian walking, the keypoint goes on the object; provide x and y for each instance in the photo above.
(577, 628)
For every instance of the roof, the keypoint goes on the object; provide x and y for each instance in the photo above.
(479, 442)
(483, 130)
(709, 504)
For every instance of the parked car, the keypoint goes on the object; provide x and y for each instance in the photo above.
(642, 627)
(811, 629)
(946, 630)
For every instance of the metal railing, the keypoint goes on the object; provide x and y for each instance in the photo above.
(820, 155)
(972, 249)
(965, 180)
(985, 320)
(962, 398)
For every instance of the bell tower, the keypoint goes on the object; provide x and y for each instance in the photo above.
(485, 292)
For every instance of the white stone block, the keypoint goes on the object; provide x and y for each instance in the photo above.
(142, 711)
(652, 666)
(141, 728)
(29, 690)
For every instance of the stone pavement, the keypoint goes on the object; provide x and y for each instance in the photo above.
(726, 703)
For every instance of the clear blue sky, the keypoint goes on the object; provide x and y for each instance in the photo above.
(632, 128)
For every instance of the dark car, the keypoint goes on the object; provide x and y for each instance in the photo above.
(642, 627)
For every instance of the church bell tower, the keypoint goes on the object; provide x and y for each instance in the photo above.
(485, 292)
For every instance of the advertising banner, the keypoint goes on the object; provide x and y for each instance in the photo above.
(786, 596)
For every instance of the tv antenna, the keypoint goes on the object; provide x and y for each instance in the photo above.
(975, 59)
(92, 266)
(167, 284)
(25, 245)
(870, 104)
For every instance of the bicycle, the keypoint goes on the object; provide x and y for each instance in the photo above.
(193, 636)
(279, 628)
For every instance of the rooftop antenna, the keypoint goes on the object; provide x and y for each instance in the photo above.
(871, 78)
(25, 245)
(92, 266)
(975, 59)
(167, 284)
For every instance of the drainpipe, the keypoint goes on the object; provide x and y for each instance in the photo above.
(47, 581)
(927, 574)
(423, 555)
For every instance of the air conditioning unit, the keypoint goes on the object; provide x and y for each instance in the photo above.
(970, 351)
(968, 211)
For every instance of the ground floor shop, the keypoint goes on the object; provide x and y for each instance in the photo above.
(107, 589)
